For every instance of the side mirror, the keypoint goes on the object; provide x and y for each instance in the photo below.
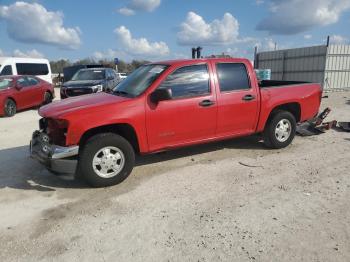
(161, 95)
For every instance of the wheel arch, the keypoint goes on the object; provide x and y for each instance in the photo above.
(294, 108)
(11, 98)
(125, 130)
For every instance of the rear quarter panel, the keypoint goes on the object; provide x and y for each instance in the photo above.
(308, 96)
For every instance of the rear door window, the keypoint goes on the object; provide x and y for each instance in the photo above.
(188, 81)
(22, 82)
(31, 81)
(6, 71)
(232, 76)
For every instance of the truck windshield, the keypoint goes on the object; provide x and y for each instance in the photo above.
(5, 83)
(89, 75)
(139, 80)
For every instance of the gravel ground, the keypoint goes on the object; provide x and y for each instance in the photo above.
(193, 204)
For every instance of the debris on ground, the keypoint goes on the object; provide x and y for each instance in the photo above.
(247, 165)
(345, 126)
(316, 125)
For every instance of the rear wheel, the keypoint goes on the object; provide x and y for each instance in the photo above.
(10, 108)
(105, 160)
(47, 98)
(280, 130)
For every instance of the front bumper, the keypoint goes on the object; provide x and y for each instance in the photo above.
(56, 158)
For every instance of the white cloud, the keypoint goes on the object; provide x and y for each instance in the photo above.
(141, 46)
(232, 51)
(338, 40)
(18, 53)
(139, 5)
(126, 11)
(32, 23)
(296, 16)
(267, 44)
(30, 53)
(110, 54)
(196, 31)
(307, 36)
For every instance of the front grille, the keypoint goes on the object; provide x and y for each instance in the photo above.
(78, 91)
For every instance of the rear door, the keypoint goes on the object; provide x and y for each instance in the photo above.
(30, 93)
(237, 100)
(36, 89)
(190, 115)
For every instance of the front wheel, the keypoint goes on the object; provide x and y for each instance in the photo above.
(10, 108)
(280, 130)
(106, 159)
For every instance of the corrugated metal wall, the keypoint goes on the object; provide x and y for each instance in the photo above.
(299, 64)
(337, 73)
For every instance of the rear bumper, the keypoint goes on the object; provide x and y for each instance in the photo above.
(56, 158)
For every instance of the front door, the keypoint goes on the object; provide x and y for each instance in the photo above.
(189, 116)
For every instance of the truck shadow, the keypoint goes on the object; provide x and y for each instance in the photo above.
(19, 171)
(249, 143)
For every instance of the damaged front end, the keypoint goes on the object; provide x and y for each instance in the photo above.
(48, 146)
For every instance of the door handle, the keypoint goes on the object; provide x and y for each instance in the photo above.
(206, 103)
(248, 97)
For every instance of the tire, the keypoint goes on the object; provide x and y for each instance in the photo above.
(10, 108)
(47, 98)
(101, 169)
(280, 130)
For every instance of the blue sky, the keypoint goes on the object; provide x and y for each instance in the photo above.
(163, 29)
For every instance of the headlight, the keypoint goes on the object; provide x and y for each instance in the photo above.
(97, 88)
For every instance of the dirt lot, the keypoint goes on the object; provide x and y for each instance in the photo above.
(194, 204)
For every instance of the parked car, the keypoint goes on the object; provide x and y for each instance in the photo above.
(122, 76)
(88, 81)
(69, 71)
(21, 92)
(26, 66)
(167, 105)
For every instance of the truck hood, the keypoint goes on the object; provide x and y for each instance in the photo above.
(79, 103)
(84, 83)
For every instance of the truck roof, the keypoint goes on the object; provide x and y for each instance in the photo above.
(194, 61)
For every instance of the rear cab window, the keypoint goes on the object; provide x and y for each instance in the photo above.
(188, 81)
(232, 77)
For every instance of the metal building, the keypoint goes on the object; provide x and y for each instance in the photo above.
(328, 65)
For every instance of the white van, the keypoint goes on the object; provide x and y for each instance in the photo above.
(26, 66)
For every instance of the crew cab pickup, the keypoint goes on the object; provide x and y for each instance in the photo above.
(166, 105)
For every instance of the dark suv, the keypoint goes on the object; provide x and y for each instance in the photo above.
(90, 80)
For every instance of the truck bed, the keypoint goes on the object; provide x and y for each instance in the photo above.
(279, 83)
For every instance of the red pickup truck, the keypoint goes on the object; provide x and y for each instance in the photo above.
(167, 105)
